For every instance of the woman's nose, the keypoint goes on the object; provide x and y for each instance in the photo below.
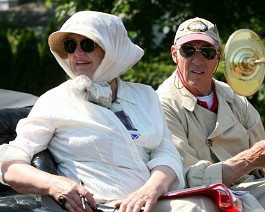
(79, 50)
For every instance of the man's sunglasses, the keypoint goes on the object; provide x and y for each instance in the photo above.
(87, 45)
(208, 53)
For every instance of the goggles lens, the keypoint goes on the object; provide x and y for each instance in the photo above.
(87, 45)
(208, 53)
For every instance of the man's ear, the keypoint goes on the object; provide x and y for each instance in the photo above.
(174, 54)
(219, 54)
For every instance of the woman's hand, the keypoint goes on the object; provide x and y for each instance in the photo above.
(70, 192)
(25, 178)
(145, 197)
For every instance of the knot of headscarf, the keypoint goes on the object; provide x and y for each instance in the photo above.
(97, 92)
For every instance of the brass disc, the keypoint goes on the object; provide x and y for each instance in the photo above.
(244, 62)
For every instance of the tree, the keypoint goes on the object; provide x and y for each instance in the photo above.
(6, 60)
(25, 75)
(51, 73)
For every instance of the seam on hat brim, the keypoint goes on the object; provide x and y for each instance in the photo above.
(56, 43)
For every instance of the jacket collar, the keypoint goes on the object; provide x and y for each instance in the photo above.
(189, 101)
(186, 98)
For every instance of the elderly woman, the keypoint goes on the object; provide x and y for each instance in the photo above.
(108, 134)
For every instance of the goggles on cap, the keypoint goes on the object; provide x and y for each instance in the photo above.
(87, 45)
(208, 53)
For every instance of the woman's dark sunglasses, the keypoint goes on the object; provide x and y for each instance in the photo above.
(208, 53)
(87, 45)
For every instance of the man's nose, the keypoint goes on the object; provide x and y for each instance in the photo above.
(198, 58)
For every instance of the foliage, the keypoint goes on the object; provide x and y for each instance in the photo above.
(153, 72)
(6, 59)
(25, 73)
(51, 72)
(258, 100)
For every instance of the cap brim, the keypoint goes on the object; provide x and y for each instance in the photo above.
(193, 36)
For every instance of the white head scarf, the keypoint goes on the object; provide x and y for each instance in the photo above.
(107, 31)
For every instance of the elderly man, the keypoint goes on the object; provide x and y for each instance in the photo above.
(217, 132)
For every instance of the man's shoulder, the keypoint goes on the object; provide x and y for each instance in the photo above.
(166, 86)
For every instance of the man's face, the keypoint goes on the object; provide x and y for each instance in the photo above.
(196, 70)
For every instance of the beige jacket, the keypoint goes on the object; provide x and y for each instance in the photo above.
(205, 139)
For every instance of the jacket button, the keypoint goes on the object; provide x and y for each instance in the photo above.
(209, 142)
